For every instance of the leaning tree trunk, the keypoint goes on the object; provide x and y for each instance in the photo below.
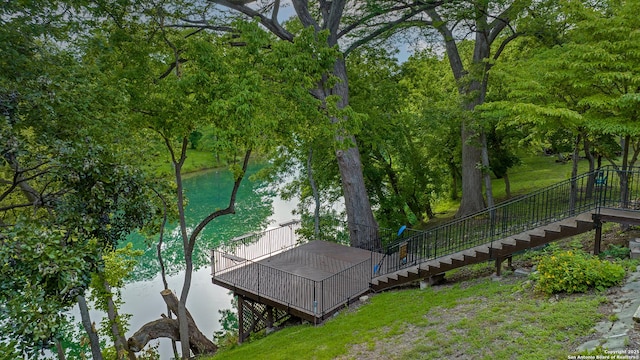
(119, 340)
(60, 350)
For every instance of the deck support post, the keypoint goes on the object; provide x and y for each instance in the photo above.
(269, 322)
(597, 224)
(499, 260)
(241, 333)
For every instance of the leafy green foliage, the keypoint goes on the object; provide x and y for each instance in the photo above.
(615, 251)
(40, 278)
(575, 271)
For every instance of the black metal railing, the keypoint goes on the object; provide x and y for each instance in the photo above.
(606, 187)
(592, 191)
(254, 246)
(316, 297)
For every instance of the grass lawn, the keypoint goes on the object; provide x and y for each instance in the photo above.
(480, 318)
(535, 172)
(197, 160)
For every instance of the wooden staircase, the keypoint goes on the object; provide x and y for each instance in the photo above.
(497, 249)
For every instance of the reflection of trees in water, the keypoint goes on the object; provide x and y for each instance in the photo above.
(207, 192)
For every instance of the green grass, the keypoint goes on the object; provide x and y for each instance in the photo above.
(197, 160)
(480, 319)
(535, 172)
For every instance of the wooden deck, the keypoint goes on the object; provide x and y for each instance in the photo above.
(619, 215)
(311, 281)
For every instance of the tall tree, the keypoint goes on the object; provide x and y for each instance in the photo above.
(333, 92)
(180, 81)
(491, 26)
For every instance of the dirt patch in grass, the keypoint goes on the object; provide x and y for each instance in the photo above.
(506, 322)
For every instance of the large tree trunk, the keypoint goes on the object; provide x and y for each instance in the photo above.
(362, 224)
(471, 200)
(169, 328)
(360, 218)
(89, 328)
(486, 170)
(316, 196)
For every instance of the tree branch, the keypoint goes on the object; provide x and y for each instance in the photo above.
(504, 44)
(302, 10)
(271, 24)
(379, 31)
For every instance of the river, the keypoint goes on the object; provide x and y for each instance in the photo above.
(257, 207)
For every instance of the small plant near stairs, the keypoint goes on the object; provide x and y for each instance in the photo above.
(576, 271)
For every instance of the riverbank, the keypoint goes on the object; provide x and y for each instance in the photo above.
(198, 162)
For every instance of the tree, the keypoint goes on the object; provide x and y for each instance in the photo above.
(401, 145)
(180, 81)
(65, 194)
(486, 22)
(333, 93)
(582, 86)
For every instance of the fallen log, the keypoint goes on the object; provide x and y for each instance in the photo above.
(168, 328)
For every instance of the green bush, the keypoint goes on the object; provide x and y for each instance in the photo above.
(576, 271)
(616, 252)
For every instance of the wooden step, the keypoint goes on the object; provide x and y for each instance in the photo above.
(485, 249)
(585, 217)
(552, 228)
(459, 257)
(445, 260)
(471, 253)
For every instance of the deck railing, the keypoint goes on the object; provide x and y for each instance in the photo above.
(317, 297)
(606, 187)
(254, 246)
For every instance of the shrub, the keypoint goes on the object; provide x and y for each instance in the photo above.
(616, 252)
(576, 271)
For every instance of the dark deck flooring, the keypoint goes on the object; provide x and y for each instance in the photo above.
(311, 281)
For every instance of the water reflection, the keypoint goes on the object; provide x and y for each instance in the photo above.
(256, 208)
(206, 193)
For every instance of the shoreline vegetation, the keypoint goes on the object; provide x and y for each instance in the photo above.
(199, 162)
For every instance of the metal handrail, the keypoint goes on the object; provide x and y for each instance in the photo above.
(586, 192)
